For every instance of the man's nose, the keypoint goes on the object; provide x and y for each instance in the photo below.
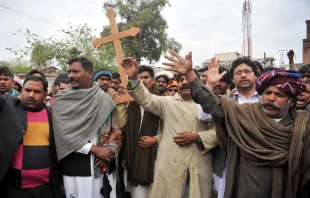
(271, 97)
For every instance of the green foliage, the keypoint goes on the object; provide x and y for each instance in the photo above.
(152, 40)
(18, 65)
(64, 46)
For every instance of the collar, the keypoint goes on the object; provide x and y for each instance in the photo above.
(177, 96)
(254, 94)
(13, 92)
(287, 120)
(40, 108)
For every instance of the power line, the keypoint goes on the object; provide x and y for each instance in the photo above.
(24, 14)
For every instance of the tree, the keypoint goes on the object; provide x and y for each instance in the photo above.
(152, 40)
(67, 44)
(17, 65)
(38, 49)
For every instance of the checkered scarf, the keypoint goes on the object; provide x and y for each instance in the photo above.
(287, 81)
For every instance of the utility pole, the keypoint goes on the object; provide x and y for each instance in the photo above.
(281, 57)
(246, 28)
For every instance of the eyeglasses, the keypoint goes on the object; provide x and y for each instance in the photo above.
(239, 73)
(173, 90)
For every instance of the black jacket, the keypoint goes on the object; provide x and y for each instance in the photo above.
(13, 125)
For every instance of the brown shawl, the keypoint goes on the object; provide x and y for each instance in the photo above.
(266, 142)
(140, 161)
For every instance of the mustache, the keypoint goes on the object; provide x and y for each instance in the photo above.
(185, 86)
(276, 106)
(72, 80)
(218, 86)
(244, 81)
(31, 100)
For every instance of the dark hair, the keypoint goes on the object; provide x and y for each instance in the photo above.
(226, 77)
(85, 62)
(148, 69)
(238, 62)
(37, 79)
(7, 72)
(166, 78)
(35, 71)
(116, 75)
(56, 82)
(202, 69)
(63, 80)
(258, 64)
(177, 78)
(269, 68)
(304, 69)
(63, 75)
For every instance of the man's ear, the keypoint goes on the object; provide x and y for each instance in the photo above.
(90, 73)
(153, 80)
(45, 94)
(292, 102)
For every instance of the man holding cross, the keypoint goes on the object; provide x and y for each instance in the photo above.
(267, 143)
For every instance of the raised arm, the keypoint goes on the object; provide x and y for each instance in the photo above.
(135, 88)
(201, 94)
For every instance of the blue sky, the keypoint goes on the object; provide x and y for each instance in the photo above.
(205, 27)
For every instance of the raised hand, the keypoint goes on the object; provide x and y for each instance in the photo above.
(213, 75)
(131, 68)
(290, 55)
(179, 64)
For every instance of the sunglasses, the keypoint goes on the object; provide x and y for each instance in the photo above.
(173, 90)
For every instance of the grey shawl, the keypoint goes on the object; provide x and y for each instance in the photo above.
(77, 117)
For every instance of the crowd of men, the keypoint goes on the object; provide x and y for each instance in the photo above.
(214, 132)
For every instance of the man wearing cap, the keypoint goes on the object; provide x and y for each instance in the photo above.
(6, 82)
(103, 77)
(17, 84)
(172, 88)
(267, 143)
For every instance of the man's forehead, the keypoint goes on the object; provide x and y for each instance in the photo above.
(274, 89)
(75, 65)
(242, 66)
(306, 74)
(105, 77)
(2, 75)
(181, 78)
(144, 74)
(33, 85)
(161, 79)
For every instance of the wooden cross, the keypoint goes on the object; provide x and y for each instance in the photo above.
(115, 38)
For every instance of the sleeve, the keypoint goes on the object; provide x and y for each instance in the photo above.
(305, 169)
(209, 102)
(85, 149)
(1, 103)
(115, 139)
(150, 102)
(208, 139)
(121, 114)
(202, 115)
(159, 137)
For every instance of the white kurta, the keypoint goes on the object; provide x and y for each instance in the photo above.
(88, 187)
